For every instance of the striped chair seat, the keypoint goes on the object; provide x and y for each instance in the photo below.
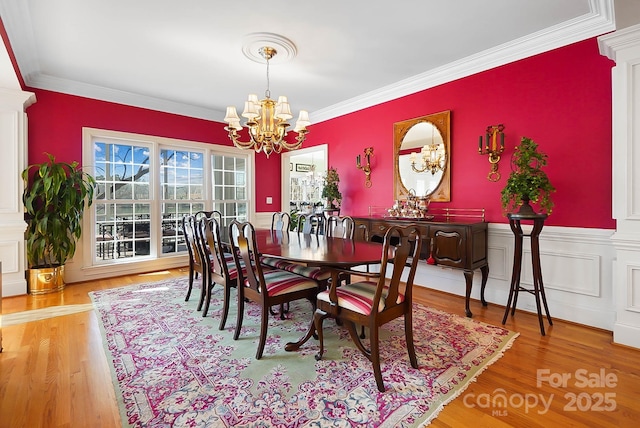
(282, 282)
(274, 262)
(358, 297)
(314, 272)
(228, 257)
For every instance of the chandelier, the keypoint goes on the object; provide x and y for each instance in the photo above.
(266, 120)
(432, 157)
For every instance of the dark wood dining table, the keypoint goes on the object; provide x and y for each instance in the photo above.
(317, 250)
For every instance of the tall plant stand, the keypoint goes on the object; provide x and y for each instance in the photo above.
(538, 286)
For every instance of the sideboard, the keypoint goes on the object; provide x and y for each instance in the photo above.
(459, 245)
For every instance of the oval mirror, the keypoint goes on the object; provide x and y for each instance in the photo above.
(422, 157)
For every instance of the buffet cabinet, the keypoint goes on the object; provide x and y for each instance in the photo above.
(458, 245)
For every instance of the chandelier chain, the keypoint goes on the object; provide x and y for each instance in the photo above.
(267, 92)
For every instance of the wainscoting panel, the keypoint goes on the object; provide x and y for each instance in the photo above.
(634, 288)
(9, 254)
(574, 273)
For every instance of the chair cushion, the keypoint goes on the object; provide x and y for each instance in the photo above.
(358, 297)
(274, 262)
(282, 282)
(314, 272)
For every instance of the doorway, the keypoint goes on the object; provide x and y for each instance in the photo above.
(303, 171)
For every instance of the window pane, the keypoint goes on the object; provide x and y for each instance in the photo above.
(122, 227)
(182, 179)
(229, 187)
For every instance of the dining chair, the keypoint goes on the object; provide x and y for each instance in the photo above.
(220, 270)
(311, 224)
(267, 288)
(340, 227)
(373, 304)
(196, 262)
(281, 221)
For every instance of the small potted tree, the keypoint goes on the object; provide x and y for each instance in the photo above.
(330, 191)
(55, 196)
(527, 181)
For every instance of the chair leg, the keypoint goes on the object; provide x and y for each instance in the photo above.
(241, 300)
(375, 357)
(186, 299)
(264, 322)
(319, 316)
(408, 333)
(203, 291)
(207, 300)
(351, 328)
(225, 306)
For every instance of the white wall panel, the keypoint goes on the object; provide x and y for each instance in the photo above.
(573, 273)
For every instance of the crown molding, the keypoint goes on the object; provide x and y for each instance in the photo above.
(598, 21)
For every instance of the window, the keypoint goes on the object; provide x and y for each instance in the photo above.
(182, 183)
(145, 185)
(230, 187)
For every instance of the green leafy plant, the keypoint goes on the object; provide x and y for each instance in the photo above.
(54, 197)
(527, 182)
(330, 191)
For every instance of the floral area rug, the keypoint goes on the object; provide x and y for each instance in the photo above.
(173, 368)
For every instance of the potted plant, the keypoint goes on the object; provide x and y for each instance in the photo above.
(527, 181)
(54, 197)
(330, 190)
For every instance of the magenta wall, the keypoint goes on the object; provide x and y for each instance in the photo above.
(561, 99)
(56, 121)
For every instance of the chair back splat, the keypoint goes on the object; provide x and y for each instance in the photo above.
(280, 221)
(265, 287)
(311, 224)
(340, 227)
(373, 304)
(196, 263)
(221, 268)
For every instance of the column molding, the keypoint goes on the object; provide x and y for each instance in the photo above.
(623, 47)
(13, 134)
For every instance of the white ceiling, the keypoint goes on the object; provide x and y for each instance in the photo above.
(186, 56)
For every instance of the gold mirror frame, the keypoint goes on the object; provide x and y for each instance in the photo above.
(442, 193)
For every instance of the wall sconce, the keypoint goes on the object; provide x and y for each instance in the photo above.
(368, 152)
(493, 149)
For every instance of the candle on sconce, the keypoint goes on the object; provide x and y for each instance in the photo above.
(487, 141)
(358, 160)
(480, 144)
(502, 140)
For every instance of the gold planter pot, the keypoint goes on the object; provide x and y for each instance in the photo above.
(46, 280)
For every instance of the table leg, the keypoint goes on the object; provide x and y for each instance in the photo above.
(294, 346)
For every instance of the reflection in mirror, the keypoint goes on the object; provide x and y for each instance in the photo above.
(419, 170)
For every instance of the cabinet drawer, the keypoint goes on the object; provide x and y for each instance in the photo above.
(379, 228)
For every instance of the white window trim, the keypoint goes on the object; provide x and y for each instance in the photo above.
(83, 267)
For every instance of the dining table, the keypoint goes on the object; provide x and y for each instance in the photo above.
(332, 253)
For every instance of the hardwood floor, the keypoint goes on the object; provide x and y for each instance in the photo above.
(53, 372)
